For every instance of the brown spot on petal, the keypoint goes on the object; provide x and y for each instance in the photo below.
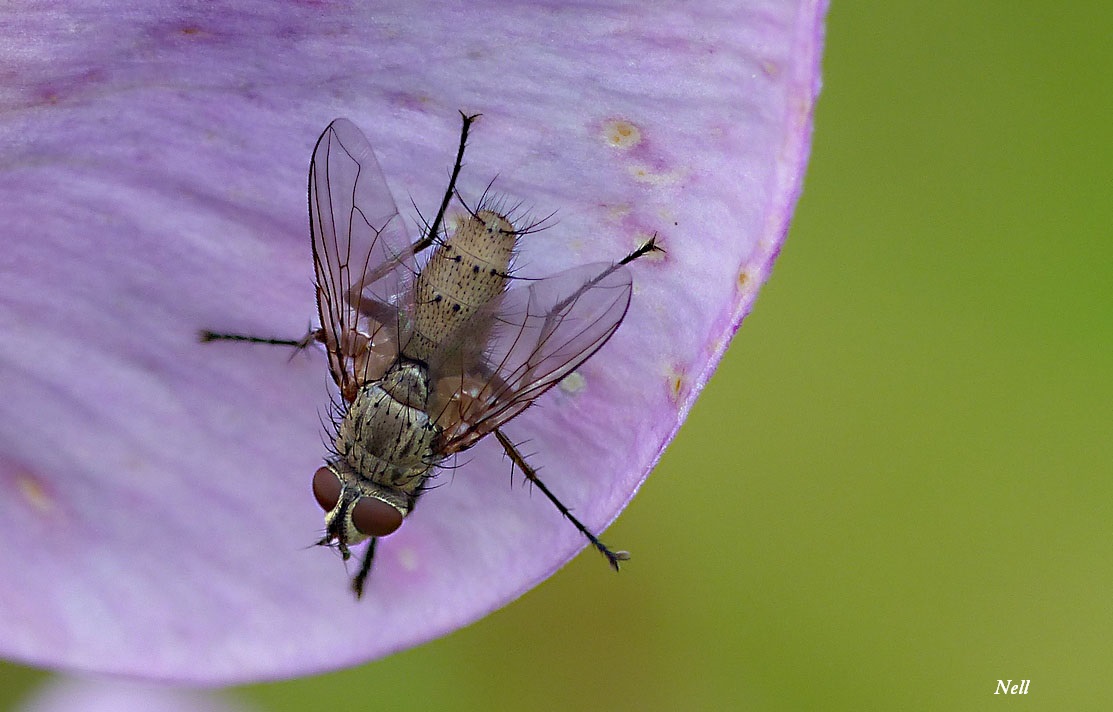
(677, 384)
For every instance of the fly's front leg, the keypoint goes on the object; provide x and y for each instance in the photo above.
(360, 578)
(613, 557)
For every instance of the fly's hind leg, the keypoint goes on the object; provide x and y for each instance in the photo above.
(644, 249)
(438, 221)
(378, 311)
(376, 273)
(613, 557)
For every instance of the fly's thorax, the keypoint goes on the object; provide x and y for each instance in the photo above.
(385, 436)
(463, 276)
(407, 383)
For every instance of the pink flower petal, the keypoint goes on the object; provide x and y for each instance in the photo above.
(102, 695)
(154, 491)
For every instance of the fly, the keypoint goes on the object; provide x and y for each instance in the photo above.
(430, 360)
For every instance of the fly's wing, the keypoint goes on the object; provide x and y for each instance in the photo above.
(540, 334)
(361, 255)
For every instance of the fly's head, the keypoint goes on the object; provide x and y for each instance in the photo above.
(354, 513)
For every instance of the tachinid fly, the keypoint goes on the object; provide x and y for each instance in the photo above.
(429, 360)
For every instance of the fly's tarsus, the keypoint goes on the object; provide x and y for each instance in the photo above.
(613, 557)
(648, 246)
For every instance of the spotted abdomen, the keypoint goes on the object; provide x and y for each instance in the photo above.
(463, 276)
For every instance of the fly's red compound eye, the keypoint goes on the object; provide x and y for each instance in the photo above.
(326, 488)
(374, 517)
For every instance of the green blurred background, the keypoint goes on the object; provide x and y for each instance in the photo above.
(896, 490)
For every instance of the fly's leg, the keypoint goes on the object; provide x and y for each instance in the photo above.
(314, 335)
(516, 457)
(558, 309)
(377, 311)
(645, 248)
(373, 275)
(614, 557)
(382, 313)
(431, 236)
(205, 336)
(364, 568)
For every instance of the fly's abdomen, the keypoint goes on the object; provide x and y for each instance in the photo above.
(462, 277)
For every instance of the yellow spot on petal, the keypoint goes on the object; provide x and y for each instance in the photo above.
(620, 210)
(743, 278)
(771, 69)
(408, 558)
(33, 491)
(573, 383)
(621, 134)
(645, 174)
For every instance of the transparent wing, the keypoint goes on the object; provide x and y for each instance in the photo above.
(540, 334)
(362, 258)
